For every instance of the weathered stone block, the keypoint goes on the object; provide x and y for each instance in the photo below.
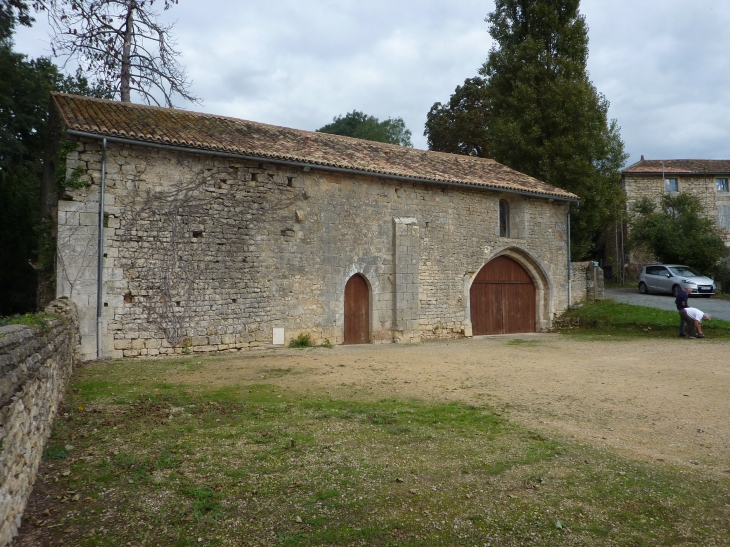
(122, 344)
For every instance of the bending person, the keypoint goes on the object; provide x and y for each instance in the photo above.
(693, 316)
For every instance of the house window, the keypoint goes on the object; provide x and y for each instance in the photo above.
(503, 218)
(723, 217)
(721, 185)
(671, 185)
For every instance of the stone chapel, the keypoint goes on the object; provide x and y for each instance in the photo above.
(183, 232)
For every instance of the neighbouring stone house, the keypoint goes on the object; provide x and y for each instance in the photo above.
(708, 180)
(225, 234)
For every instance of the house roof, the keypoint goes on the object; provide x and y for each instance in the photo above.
(207, 132)
(678, 167)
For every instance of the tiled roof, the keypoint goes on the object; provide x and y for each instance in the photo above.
(679, 167)
(208, 132)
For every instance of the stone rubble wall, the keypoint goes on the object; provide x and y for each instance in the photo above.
(35, 367)
(595, 289)
(207, 253)
(587, 283)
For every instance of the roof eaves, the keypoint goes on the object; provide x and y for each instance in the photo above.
(293, 160)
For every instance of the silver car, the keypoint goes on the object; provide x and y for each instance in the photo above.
(671, 278)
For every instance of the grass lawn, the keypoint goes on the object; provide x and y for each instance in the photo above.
(137, 459)
(610, 318)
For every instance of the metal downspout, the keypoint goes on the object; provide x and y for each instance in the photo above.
(570, 272)
(100, 270)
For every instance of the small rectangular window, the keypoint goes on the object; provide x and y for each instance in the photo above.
(722, 185)
(671, 185)
(503, 218)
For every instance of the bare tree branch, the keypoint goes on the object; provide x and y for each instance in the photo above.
(120, 42)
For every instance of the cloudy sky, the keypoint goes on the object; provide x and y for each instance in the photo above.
(663, 64)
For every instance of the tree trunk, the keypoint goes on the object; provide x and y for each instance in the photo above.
(126, 52)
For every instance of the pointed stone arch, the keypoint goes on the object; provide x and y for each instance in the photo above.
(544, 290)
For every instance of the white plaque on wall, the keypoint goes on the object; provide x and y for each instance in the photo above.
(278, 337)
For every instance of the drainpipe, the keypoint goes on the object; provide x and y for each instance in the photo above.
(570, 273)
(623, 256)
(99, 275)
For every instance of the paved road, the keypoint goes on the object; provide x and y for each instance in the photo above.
(717, 308)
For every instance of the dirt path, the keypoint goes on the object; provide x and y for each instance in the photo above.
(652, 399)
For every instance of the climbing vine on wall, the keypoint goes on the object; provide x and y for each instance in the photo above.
(168, 265)
(73, 180)
(180, 239)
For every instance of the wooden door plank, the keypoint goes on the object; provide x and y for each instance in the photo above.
(519, 308)
(494, 315)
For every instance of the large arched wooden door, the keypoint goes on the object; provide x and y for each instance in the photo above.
(357, 311)
(502, 299)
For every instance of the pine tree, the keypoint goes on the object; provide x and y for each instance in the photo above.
(542, 115)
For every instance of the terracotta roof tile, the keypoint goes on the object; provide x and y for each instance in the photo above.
(199, 131)
(679, 167)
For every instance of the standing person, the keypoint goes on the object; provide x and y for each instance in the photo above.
(695, 316)
(682, 302)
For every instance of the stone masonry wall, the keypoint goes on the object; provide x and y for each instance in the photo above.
(587, 284)
(703, 188)
(208, 253)
(35, 367)
(578, 282)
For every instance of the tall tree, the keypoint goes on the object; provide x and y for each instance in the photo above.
(24, 98)
(540, 114)
(12, 13)
(361, 126)
(462, 125)
(121, 44)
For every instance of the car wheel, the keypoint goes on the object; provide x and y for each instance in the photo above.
(676, 289)
(643, 289)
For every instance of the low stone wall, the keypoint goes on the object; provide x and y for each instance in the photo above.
(35, 367)
(587, 284)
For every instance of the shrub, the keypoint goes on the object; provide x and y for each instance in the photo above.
(301, 341)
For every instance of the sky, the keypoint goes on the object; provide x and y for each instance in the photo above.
(664, 65)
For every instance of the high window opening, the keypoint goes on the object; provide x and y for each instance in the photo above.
(504, 227)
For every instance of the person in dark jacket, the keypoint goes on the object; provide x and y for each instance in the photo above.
(682, 302)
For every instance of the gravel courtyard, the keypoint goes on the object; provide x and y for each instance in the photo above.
(664, 400)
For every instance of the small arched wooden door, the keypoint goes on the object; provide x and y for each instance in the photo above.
(502, 299)
(357, 311)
